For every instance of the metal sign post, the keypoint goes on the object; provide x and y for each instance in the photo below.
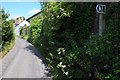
(101, 10)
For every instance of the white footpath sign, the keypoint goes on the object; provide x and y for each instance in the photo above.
(100, 8)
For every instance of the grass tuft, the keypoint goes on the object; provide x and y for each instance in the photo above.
(6, 48)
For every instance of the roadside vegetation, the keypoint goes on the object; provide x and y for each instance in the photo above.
(24, 32)
(66, 34)
(7, 33)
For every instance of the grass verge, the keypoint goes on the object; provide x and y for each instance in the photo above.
(6, 48)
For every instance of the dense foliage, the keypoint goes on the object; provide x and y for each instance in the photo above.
(63, 32)
(7, 32)
(24, 32)
(35, 30)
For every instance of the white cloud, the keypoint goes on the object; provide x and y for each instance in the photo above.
(34, 11)
(13, 16)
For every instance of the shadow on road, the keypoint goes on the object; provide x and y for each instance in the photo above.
(35, 52)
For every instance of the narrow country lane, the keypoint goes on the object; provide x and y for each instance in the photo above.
(24, 61)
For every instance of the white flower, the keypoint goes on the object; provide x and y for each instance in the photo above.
(63, 66)
(60, 63)
(59, 53)
(60, 50)
(66, 73)
(63, 50)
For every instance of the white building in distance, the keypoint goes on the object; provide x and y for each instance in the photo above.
(17, 28)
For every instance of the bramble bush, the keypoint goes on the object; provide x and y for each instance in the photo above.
(63, 36)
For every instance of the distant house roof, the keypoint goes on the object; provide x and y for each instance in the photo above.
(24, 23)
(32, 16)
(18, 20)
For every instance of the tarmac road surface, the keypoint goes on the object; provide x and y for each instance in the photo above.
(24, 61)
